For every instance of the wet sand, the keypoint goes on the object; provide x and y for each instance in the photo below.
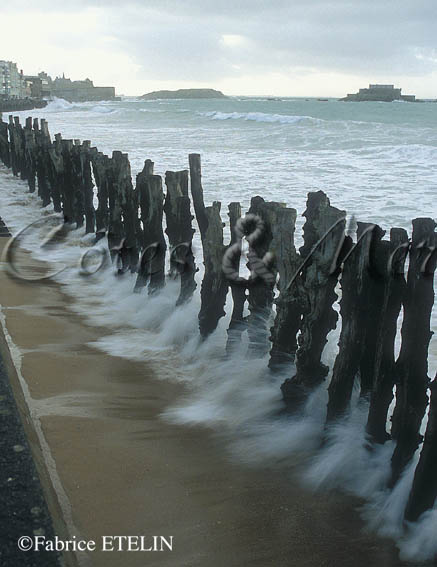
(119, 469)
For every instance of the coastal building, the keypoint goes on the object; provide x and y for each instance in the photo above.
(12, 84)
(380, 93)
(15, 85)
(77, 91)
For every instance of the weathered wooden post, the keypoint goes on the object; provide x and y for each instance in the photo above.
(19, 147)
(29, 157)
(51, 153)
(358, 295)
(66, 177)
(214, 285)
(102, 173)
(238, 286)
(41, 157)
(180, 232)
(4, 144)
(288, 305)
(424, 490)
(151, 200)
(77, 183)
(121, 211)
(412, 364)
(87, 186)
(261, 294)
(13, 146)
(392, 259)
(323, 232)
(148, 169)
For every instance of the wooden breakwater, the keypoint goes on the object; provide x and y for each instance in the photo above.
(291, 327)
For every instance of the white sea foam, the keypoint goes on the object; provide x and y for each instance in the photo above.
(257, 117)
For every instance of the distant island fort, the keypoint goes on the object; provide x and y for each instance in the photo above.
(379, 93)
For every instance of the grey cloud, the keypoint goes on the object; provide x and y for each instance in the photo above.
(181, 39)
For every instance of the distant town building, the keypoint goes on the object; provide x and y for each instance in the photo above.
(15, 85)
(79, 91)
(380, 93)
(12, 83)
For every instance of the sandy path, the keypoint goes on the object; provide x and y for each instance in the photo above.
(124, 471)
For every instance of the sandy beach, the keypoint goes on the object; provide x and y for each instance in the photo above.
(112, 466)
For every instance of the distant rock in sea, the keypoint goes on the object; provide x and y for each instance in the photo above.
(184, 93)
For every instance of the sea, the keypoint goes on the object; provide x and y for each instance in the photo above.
(377, 161)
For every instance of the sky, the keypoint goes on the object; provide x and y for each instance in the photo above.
(242, 47)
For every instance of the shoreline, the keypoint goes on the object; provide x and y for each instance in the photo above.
(125, 471)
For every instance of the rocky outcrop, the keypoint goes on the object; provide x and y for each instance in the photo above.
(184, 93)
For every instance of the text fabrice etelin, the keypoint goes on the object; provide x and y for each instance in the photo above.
(106, 543)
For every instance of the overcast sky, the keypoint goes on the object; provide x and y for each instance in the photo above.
(282, 47)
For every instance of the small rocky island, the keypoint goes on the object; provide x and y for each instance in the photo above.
(184, 93)
(379, 93)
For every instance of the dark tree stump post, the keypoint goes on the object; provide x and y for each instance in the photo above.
(424, 490)
(384, 378)
(87, 186)
(4, 144)
(19, 148)
(151, 200)
(261, 294)
(237, 324)
(41, 163)
(214, 285)
(77, 184)
(13, 146)
(148, 169)
(30, 155)
(51, 154)
(319, 284)
(288, 304)
(412, 364)
(67, 178)
(180, 232)
(359, 298)
(102, 174)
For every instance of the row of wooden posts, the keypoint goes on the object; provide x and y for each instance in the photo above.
(374, 288)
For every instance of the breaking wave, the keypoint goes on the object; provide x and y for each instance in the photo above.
(258, 117)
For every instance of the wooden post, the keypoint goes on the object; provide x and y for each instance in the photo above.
(19, 148)
(29, 157)
(321, 242)
(13, 146)
(41, 157)
(424, 490)
(288, 304)
(412, 364)
(151, 200)
(393, 256)
(214, 285)
(102, 174)
(237, 324)
(4, 144)
(66, 176)
(180, 232)
(87, 186)
(358, 296)
(261, 289)
(51, 153)
(77, 184)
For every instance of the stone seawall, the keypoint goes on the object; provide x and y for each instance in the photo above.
(15, 105)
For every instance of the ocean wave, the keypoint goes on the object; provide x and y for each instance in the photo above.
(258, 117)
(62, 105)
(58, 105)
